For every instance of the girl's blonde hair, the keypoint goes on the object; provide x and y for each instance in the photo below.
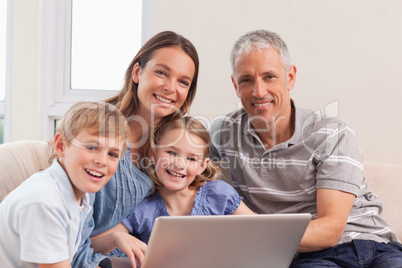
(191, 126)
(99, 118)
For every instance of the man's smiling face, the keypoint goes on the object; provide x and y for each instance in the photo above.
(263, 85)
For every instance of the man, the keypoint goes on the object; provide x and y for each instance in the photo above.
(285, 159)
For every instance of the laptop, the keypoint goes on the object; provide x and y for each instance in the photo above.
(264, 240)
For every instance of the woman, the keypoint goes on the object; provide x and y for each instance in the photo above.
(160, 85)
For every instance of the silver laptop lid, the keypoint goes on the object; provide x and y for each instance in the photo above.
(225, 241)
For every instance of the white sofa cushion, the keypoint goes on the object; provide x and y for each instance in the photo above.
(19, 160)
(385, 180)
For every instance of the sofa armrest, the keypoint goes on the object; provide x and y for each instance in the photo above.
(18, 161)
(385, 180)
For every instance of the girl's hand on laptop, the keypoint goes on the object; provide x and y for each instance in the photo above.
(119, 237)
(132, 246)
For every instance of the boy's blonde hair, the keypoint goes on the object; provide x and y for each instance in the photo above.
(99, 118)
(192, 126)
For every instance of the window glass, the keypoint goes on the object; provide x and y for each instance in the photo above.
(106, 35)
(1, 130)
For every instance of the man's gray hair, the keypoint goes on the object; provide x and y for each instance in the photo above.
(260, 39)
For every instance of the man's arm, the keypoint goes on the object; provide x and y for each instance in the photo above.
(333, 209)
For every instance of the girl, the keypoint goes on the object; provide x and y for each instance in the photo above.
(183, 178)
(160, 85)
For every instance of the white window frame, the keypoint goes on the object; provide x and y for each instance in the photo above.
(57, 92)
(5, 107)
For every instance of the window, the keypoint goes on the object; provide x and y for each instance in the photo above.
(88, 45)
(104, 44)
(1, 130)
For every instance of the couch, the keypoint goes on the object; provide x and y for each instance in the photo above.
(21, 159)
(18, 161)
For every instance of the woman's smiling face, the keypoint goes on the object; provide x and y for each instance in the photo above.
(163, 84)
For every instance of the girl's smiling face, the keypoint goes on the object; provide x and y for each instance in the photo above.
(164, 82)
(179, 157)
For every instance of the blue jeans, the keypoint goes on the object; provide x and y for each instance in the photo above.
(357, 253)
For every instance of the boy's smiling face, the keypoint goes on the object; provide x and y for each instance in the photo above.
(89, 160)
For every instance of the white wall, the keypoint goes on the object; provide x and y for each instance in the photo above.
(25, 94)
(347, 52)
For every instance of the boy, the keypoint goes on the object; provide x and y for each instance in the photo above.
(41, 220)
